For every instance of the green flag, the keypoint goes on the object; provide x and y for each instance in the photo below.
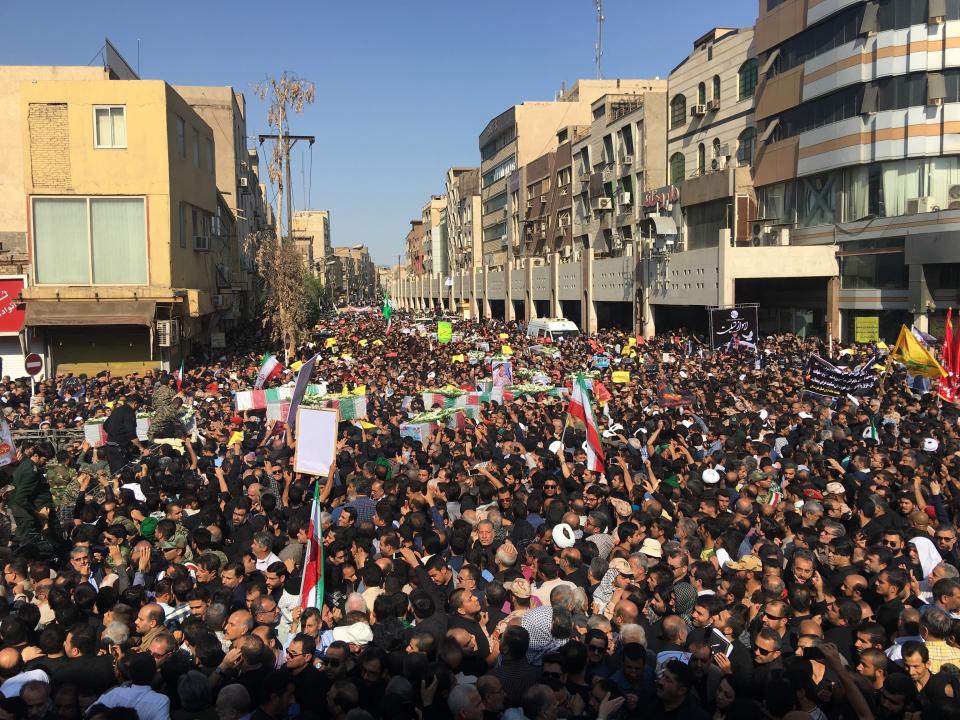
(444, 332)
(387, 310)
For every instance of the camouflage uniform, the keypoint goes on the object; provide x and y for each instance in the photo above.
(61, 479)
(96, 493)
(165, 422)
(162, 396)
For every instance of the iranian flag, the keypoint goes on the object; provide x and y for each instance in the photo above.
(311, 589)
(269, 369)
(580, 413)
(180, 377)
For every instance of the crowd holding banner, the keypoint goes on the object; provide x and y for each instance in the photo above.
(448, 519)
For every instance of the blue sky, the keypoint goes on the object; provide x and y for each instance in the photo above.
(403, 88)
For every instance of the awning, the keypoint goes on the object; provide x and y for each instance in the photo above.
(89, 312)
(664, 225)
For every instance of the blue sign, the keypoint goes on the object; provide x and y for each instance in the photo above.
(600, 361)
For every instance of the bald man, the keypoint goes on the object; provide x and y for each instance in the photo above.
(149, 624)
(239, 623)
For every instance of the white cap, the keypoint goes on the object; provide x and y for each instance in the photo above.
(710, 476)
(930, 444)
(563, 536)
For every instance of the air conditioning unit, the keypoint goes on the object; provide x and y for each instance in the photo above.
(628, 160)
(543, 198)
(244, 166)
(919, 205)
(244, 181)
(954, 194)
(168, 333)
(760, 234)
(713, 105)
(625, 198)
(718, 163)
(565, 251)
(201, 242)
(584, 177)
(602, 203)
(698, 111)
(776, 237)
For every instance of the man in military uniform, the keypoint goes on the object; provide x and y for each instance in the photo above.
(60, 477)
(166, 420)
(164, 392)
(31, 503)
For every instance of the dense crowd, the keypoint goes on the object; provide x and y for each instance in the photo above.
(749, 550)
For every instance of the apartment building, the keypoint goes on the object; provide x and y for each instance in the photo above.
(519, 135)
(463, 213)
(119, 202)
(352, 276)
(858, 107)
(312, 228)
(237, 172)
(414, 247)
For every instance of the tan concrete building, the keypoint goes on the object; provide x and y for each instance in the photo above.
(464, 232)
(224, 110)
(352, 276)
(313, 227)
(118, 201)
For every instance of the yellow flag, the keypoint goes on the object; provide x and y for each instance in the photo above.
(621, 376)
(458, 359)
(506, 350)
(378, 342)
(363, 343)
(296, 366)
(917, 358)
(504, 336)
(331, 341)
(366, 425)
(632, 341)
(360, 390)
(882, 345)
(346, 356)
(236, 437)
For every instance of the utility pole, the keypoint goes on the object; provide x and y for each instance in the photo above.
(598, 57)
(287, 141)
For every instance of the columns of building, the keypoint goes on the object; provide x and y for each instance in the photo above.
(588, 308)
(555, 310)
(530, 307)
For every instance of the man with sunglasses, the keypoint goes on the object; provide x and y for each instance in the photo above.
(310, 684)
(945, 539)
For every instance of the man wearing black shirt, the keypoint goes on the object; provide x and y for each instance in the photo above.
(121, 429)
(311, 684)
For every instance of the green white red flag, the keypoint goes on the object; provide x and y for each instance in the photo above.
(580, 413)
(269, 369)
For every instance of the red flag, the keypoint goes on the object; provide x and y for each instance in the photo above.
(601, 393)
(947, 387)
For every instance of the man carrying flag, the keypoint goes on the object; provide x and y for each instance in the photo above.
(270, 368)
(580, 414)
(387, 310)
(311, 588)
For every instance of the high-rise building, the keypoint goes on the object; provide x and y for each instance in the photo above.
(858, 149)
(312, 229)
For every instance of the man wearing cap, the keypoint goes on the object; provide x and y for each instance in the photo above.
(31, 503)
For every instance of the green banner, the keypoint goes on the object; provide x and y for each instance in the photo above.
(444, 332)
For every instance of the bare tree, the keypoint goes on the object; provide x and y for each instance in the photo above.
(279, 264)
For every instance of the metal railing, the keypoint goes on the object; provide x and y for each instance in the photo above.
(58, 438)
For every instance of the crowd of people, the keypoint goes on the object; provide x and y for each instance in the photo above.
(747, 549)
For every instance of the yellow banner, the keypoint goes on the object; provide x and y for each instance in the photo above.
(621, 376)
(331, 342)
(363, 342)
(360, 390)
(917, 358)
(458, 359)
(506, 350)
(866, 329)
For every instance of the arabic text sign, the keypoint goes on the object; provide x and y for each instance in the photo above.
(866, 329)
(733, 327)
(824, 378)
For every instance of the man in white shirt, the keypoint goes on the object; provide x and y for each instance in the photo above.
(140, 669)
(261, 548)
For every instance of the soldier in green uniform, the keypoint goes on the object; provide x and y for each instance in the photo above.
(31, 503)
(60, 477)
(163, 393)
(166, 420)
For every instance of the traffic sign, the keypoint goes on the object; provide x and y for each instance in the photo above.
(33, 364)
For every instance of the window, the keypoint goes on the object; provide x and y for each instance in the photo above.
(626, 140)
(500, 171)
(209, 145)
(110, 127)
(678, 111)
(497, 202)
(196, 148)
(716, 88)
(497, 144)
(702, 94)
(883, 270)
(183, 225)
(90, 241)
(704, 223)
(748, 79)
(701, 158)
(677, 171)
(181, 137)
(608, 148)
(746, 146)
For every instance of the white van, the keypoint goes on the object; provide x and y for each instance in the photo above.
(553, 328)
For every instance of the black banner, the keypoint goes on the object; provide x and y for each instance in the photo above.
(734, 328)
(824, 378)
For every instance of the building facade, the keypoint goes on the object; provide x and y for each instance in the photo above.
(464, 231)
(858, 150)
(352, 276)
(120, 191)
(312, 227)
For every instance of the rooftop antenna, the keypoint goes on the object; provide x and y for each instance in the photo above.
(598, 48)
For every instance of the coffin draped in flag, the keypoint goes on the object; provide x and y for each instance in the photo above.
(270, 368)
(580, 414)
(311, 588)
